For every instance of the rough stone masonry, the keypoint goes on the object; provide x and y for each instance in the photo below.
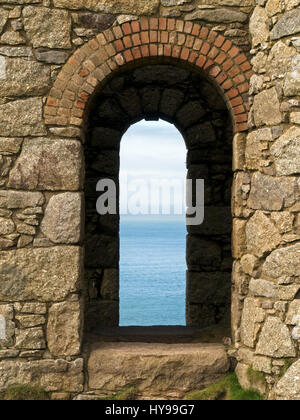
(60, 59)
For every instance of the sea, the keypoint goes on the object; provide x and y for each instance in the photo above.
(152, 270)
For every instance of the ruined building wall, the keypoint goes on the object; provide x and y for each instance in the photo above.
(48, 45)
(266, 276)
(197, 109)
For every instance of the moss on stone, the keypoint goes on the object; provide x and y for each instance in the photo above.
(128, 394)
(227, 389)
(24, 393)
(287, 364)
(255, 376)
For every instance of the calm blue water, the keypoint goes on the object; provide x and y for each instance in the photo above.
(153, 270)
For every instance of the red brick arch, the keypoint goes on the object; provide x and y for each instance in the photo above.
(112, 49)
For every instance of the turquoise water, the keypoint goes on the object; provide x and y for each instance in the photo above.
(152, 270)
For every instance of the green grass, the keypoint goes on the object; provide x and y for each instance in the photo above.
(287, 364)
(255, 376)
(227, 389)
(128, 394)
(24, 393)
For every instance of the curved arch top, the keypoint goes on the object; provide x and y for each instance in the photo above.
(124, 44)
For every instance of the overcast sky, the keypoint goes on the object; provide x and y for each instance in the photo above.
(152, 151)
(153, 148)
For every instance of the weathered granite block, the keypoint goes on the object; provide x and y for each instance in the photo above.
(22, 117)
(52, 375)
(46, 27)
(64, 328)
(42, 274)
(63, 220)
(46, 164)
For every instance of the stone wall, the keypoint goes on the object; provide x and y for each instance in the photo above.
(55, 56)
(192, 103)
(81, 97)
(266, 305)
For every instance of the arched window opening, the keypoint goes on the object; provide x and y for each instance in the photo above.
(195, 106)
(152, 225)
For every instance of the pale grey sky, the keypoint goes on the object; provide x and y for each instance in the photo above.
(151, 150)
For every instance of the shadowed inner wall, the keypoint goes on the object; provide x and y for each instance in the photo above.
(194, 105)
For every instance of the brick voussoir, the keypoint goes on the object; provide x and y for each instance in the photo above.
(205, 48)
(221, 78)
(196, 29)
(119, 60)
(154, 23)
(136, 52)
(136, 39)
(50, 110)
(227, 84)
(212, 37)
(153, 50)
(145, 23)
(208, 64)
(219, 41)
(213, 52)
(164, 37)
(110, 49)
(94, 44)
(240, 109)
(83, 96)
(66, 103)
(234, 71)
(117, 30)
(112, 64)
(176, 51)
(122, 44)
(193, 57)
(52, 101)
(135, 26)
(163, 24)
(128, 56)
(188, 27)
(241, 127)
(119, 45)
(214, 71)
(145, 50)
(109, 35)
(185, 52)
(201, 61)
(101, 39)
(204, 33)
(179, 25)
(197, 44)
